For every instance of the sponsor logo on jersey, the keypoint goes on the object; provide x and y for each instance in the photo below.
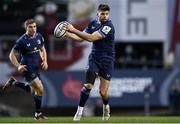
(28, 45)
(106, 29)
(108, 75)
(93, 27)
(39, 42)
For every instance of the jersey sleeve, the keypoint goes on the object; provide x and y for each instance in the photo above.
(105, 30)
(17, 46)
(88, 28)
(42, 40)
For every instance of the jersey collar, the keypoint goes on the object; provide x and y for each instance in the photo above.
(102, 23)
(27, 37)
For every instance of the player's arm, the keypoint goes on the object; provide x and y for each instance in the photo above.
(43, 55)
(74, 37)
(13, 58)
(86, 36)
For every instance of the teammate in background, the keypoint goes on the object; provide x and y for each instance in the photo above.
(30, 48)
(101, 60)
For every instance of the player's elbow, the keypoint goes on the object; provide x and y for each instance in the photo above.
(93, 38)
(11, 55)
(90, 39)
(103, 93)
(80, 39)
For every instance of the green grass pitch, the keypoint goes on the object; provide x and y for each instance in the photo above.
(121, 119)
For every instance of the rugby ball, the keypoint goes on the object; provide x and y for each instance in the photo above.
(59, 32)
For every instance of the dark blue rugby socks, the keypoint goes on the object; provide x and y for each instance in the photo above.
(84, 96)
(105, 100)
(24, 86)
(38, 101)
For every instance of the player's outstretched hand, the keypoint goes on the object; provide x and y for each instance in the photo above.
(69, 27)
(44, 65)
(22, 68)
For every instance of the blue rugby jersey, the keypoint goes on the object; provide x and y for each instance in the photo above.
(105, 46)
(29, 50)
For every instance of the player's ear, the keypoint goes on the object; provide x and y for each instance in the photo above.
(97, 14)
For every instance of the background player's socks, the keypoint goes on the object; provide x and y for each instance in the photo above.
(84, 96)
(105, 100)
(24, 86)
(38, 100)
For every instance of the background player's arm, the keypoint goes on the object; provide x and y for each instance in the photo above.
(13, 58)
(43, 55)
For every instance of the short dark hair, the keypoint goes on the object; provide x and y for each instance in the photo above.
(104, 7)
(28, 21)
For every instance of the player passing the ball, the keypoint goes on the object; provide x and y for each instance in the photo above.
(101, 59)
(30, 48)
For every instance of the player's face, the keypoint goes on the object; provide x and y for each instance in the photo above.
(103, 16)
(31, 29)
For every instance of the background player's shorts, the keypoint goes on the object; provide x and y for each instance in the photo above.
(102, 65)
(30, 75)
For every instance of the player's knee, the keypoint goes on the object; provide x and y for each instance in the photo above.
(88, 86)
(90, 77)
(103, 93)
(40, 91)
